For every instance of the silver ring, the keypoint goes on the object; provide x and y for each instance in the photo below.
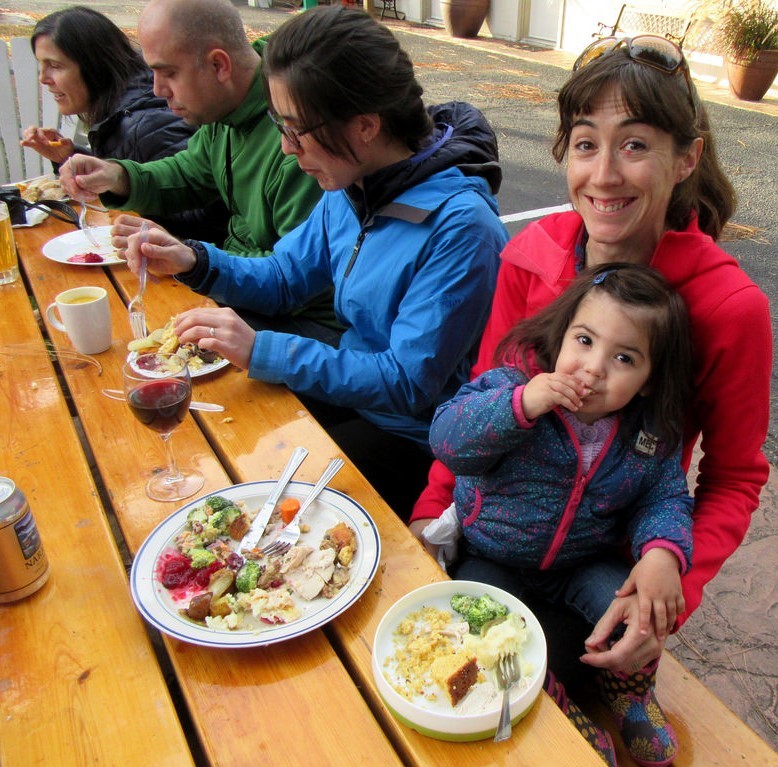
(212, 331)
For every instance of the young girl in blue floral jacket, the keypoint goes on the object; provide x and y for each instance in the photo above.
(569, 453)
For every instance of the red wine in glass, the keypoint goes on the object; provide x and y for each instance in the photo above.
(160, 405)
(158, 390)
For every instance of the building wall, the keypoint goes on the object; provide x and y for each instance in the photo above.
(569, 25)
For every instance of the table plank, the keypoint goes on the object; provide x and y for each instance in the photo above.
(266, 422)
(67, 649)
(287, 689)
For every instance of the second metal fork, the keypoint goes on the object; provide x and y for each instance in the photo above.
(291, 533)
(508, 671)
(84, 227)
(136, 309)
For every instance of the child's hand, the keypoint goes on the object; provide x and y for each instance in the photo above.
(546, 391)
(657, 581)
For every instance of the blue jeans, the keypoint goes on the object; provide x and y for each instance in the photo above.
(567, 602)
(586, 589)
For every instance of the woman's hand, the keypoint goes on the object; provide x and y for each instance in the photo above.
(48, 143)
(218, 330)
(164, 253)
(656, 579)
(633, 651)
(546, 391)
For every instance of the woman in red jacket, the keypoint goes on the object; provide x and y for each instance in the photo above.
(646, 187)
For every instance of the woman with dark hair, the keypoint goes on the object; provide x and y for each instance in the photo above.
(407, 234)
(95, 72)
(647, 188)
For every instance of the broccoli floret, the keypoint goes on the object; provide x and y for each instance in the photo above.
(223, 518)
(247, 577)
(197, 515)
(201, 558)
(477, 610)
(217, 503)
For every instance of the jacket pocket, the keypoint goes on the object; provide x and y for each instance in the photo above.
(476, 509)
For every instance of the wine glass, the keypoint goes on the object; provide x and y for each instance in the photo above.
(158, 390)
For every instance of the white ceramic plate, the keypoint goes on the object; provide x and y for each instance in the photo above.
(206, 369)
(437, 719)
(74, 243)
(154, 602)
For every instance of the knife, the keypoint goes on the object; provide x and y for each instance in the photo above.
(251, 539)
(118, 394)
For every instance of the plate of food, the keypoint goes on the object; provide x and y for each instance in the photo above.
(435, 652)
(75, 248)
(191, 580)
(164, 340)
(42, 188)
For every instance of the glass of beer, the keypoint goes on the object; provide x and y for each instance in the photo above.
(9, 266)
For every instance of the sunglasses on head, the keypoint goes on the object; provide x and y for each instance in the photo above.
(653, 51)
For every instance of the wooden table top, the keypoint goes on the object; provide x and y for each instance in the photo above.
(309, 697)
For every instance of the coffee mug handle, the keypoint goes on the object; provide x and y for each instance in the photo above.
(53, 319)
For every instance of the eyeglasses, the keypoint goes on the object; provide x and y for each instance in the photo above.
(292, 134)
(653, 51)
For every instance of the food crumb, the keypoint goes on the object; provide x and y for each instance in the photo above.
(34, 385)
(228, 419)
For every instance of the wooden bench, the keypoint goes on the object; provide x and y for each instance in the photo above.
(24, 102)
(647, 19)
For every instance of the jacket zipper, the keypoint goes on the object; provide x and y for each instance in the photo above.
(575, 496)
(355, 252)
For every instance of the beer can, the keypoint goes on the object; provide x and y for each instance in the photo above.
(24, 567)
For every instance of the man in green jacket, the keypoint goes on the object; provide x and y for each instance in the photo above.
(210, 74)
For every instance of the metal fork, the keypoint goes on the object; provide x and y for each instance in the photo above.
(84, 227)
(136, 308)
(291, 533)
(508, 671)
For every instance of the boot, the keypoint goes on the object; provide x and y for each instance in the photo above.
(648, 736)
(598, 738)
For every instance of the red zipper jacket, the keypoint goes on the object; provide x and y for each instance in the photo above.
(732, 338)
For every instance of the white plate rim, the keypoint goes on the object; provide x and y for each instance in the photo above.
(75, 241)
(206, 369)
(441, 721)
(146, 592)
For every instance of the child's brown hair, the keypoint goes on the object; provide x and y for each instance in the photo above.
(536, 342)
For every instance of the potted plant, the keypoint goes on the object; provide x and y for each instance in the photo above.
(748, 34)
(463, 18)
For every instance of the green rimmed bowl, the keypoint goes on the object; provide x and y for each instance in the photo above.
(437, 719)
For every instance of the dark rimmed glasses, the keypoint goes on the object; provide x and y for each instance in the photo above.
(652, 50)
(292, 134)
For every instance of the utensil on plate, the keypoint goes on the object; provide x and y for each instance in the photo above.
(508, 672)
(193, 405)
(136, 309)
(85, 228)
(291, 533)
(259, 524)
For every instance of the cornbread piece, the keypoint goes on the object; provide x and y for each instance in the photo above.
(456, 674)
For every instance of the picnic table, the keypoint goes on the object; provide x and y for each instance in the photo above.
(84, 680)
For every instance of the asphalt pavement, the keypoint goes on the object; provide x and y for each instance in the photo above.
(730, 641)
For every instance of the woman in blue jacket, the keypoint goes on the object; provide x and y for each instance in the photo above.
(407, 234)
(95, 72)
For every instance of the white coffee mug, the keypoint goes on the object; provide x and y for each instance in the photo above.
(85, 316)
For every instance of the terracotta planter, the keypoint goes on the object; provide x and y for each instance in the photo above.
(463, 18)
(750, 80)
